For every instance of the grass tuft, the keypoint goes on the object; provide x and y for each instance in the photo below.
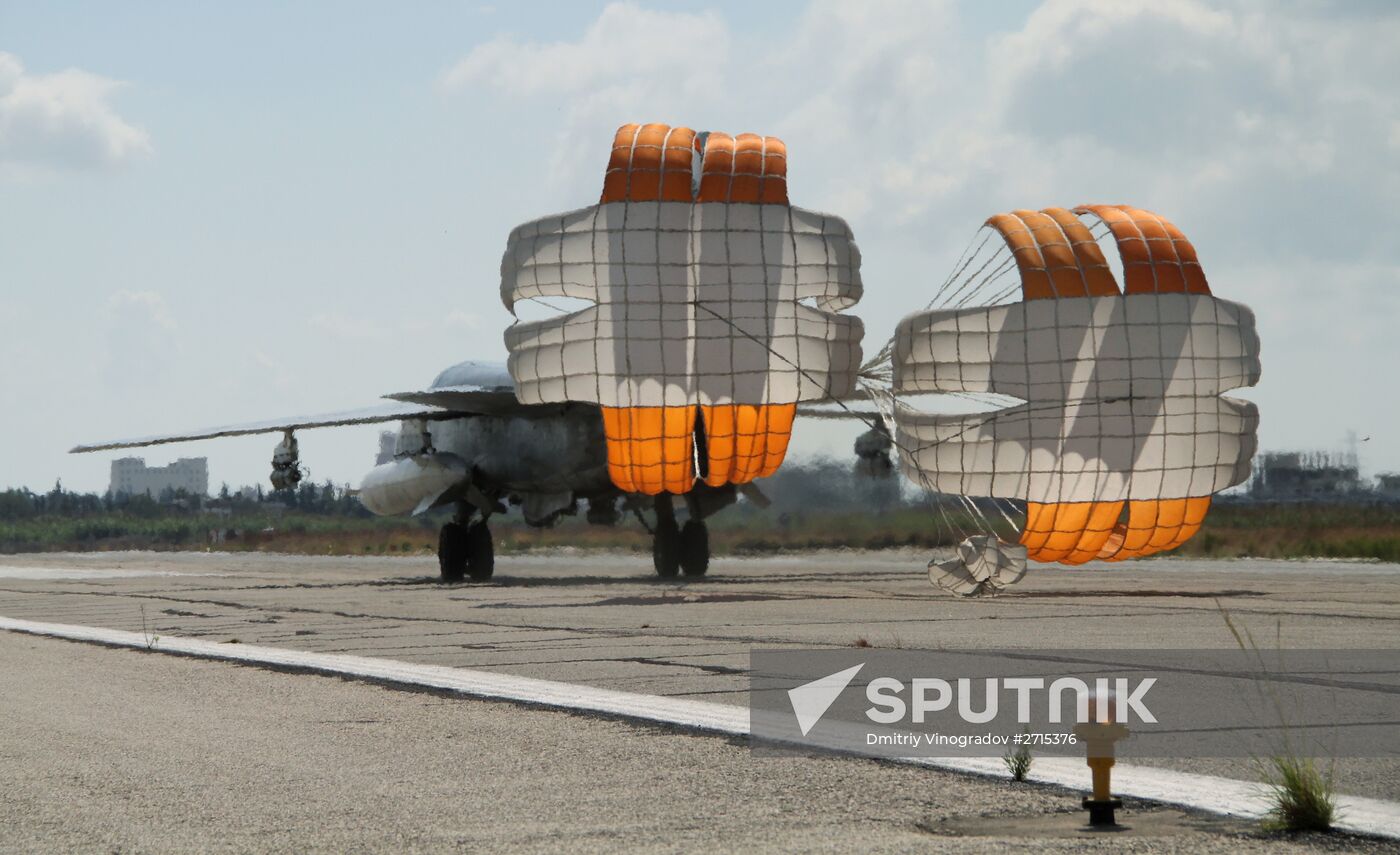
(1018, 761)
(1303, 796)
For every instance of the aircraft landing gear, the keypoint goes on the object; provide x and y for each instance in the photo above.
(465, 549)
(695, 548)
(666, 549)
(676, 549)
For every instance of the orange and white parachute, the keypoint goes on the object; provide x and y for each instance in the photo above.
(698, 346)
(1122, 434)
(716, 309)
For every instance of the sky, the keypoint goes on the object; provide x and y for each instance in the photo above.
(214, 213)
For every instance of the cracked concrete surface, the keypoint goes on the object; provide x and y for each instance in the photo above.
(125, 750)
(605, 620)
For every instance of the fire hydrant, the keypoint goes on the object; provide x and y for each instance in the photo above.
(1099, 734)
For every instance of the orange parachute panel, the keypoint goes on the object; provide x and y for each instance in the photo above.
(1157, 257)
(649, 163)
(652, 449)
(746, 168)
(1057, 256)
(745, 441)
(1088, 262)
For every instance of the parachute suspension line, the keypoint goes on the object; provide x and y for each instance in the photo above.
(700, 304)
(968, 254)
(970, 518)
(987, 274)
(886, 403)
(992, 265)
(877, 394)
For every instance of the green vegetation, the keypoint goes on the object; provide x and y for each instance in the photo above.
(1018, 761)
(1299, 530)
(1303, 796)
(813, 508)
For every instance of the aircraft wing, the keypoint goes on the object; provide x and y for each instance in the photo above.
(389, 412)
(832, 411)
(440, 403)
(487, 400)
(501, 399)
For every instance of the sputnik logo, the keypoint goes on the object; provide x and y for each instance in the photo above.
(810, 701)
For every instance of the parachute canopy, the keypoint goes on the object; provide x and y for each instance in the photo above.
(1122, 435)
(715, 308)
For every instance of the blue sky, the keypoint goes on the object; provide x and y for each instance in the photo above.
(213, 213)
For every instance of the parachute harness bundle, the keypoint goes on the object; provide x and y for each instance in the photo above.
(717, 309)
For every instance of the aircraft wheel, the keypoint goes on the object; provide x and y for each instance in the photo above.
(666, 549)
(480, 551)
(452, 552)
(695, 548)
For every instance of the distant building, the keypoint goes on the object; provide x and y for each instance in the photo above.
(388, 444)
(1285, 476)
(132, 477)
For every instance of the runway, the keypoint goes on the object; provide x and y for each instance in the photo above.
(604, 622)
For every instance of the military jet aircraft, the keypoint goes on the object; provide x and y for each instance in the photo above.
(713, 318)
(467, 442)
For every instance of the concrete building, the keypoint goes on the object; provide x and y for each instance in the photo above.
(1306, 476)
(132, 477)
(388, 443)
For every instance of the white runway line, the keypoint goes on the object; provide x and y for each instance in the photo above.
(1205, 792)
(8, 571)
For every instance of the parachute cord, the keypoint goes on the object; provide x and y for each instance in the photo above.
(886, 422)
(637, 512)
(875, 379)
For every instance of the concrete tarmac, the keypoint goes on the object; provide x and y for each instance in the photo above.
(284, 760)
(129, 751)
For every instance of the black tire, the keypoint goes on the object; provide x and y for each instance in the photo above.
(480, 551)
(695, 548)
(666, 549)
(452, 553)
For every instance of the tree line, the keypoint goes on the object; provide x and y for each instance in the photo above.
(22, 503)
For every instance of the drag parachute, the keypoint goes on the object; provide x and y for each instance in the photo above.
(1121, 434)
(715, 308)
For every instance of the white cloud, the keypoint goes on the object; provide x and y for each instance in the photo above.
(1208, 113)
(625, 43)
(841, 73)
(1267, 131)
(631, 61)
(1248, 122)
(63, 119)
